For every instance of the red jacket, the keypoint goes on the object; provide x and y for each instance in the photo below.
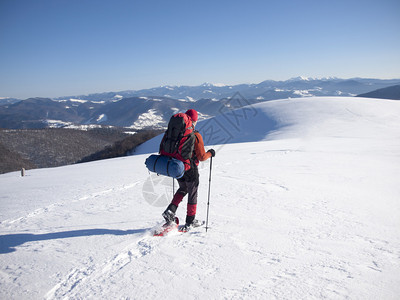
(199, 151)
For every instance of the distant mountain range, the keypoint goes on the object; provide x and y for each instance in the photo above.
(151, 108)
(266, 90)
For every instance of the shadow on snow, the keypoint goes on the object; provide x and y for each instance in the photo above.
(8, 242)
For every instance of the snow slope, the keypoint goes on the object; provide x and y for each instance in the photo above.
(304, 205)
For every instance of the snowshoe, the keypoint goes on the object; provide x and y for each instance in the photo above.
(167, 227)
(188, 227)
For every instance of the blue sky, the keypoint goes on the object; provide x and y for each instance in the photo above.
(51, 48)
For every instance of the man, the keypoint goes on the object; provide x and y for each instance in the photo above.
(189, 183)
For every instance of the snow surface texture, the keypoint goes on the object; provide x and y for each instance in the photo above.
(304, 205)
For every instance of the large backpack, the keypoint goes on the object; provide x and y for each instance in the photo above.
(178, 140)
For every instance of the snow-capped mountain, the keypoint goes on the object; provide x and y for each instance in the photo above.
(151, 108)
(269, 89)
(304, 205)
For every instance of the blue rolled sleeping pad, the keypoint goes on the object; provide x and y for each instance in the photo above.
(165, 165)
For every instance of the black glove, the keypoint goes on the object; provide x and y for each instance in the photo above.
(212, 151)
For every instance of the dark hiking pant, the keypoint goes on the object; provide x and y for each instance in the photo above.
(188, 185)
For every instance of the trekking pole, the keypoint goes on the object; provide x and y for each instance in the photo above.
(173, 187)
(209, 190)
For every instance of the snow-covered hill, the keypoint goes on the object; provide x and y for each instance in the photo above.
(304, 205)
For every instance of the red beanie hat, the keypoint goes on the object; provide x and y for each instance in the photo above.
(192, 114)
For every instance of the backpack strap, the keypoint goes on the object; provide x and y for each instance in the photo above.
(169, 160)
(155, 162)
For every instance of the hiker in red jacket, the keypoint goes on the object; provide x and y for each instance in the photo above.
(189, 183)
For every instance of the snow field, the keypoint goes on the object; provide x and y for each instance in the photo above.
(304, 207)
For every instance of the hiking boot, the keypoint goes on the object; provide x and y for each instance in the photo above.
(168, 215)
(196, 223)
(188, 226)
